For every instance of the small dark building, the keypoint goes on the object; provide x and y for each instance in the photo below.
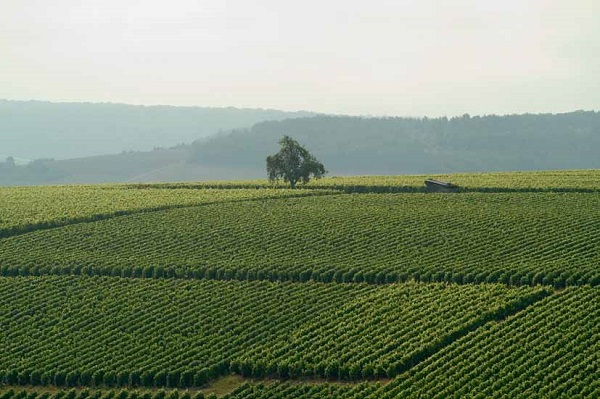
(436, 186)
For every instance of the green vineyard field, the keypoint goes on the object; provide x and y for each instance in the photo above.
(114, 331)
(512, 238)
(549, 350)
(348, 287)
(558, 181)
(546, 181)
(26, 209)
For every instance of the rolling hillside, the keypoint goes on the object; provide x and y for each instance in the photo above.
(392, 146)
(358, 287)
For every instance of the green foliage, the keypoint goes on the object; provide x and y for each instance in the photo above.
(548, 350)
(307, 391)
(163, 329)
(27, 209)
(293, 163)
(489, 182)
(175, 312)
(513, 238)
(95, 394)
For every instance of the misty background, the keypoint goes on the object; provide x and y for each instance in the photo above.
(352, 57)
(34, 129)
(93, 143)
(378, 87)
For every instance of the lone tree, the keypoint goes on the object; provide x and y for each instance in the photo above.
(293, 163)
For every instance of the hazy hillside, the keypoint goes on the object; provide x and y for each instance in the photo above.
(162, 165)
(349, 146)
(35, 129)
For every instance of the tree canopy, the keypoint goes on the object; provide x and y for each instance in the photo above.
(293, 163)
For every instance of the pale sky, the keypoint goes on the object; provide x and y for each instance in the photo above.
(369, 57)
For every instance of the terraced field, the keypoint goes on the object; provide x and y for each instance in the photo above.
(356, 288)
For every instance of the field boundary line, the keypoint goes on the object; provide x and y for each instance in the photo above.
(239, 274)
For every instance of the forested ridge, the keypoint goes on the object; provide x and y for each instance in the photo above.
(354, 145)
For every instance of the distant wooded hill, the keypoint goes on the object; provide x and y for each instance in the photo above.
(348, 145)
(353, 146)
(37, 129)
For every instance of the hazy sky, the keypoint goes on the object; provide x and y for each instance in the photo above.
(374, 57)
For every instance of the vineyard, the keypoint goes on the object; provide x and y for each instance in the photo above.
(547, 181)
(354, 287)
(516, 239)
(26, 209)
(549, 350)
(122, 332)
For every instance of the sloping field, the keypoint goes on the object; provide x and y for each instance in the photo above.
(547, 181)
(371, 290)
(115, 331)
(26, 209)
(549, 350)
(512, 238)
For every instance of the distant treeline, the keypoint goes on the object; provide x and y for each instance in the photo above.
(35, 172)
(354, 145)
